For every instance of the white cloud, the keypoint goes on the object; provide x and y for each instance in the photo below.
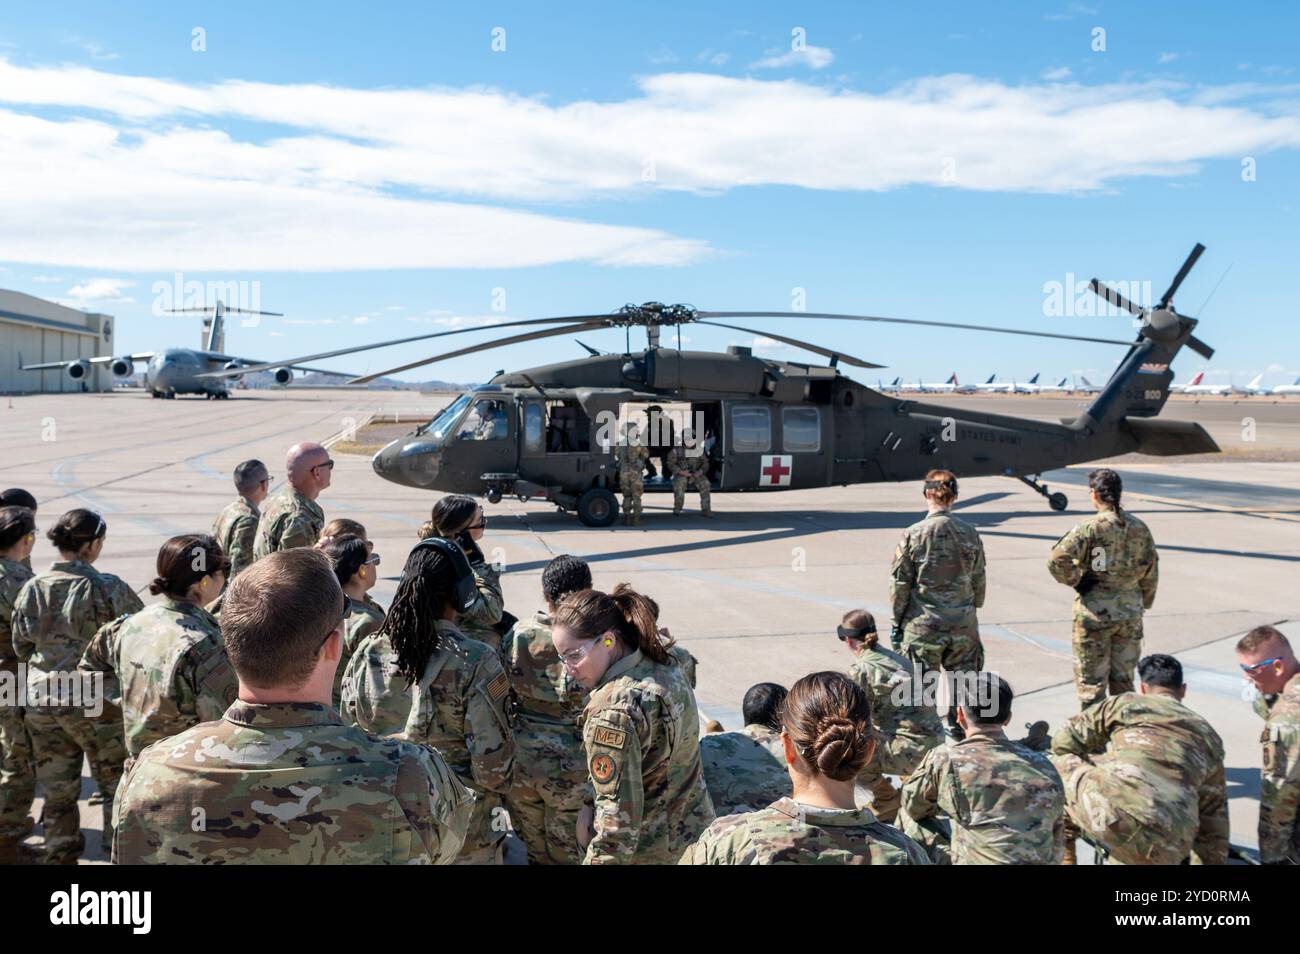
(92, 49)
(364, 319)
(1056, 75)
(48, 279)
(713, 57)
(813, 57)
(1166, 57)
(125, 173)
(97, 291)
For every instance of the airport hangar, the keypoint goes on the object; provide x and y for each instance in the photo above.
(33, 331)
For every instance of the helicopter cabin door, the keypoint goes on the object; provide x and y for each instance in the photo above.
(775, 446)
(484, 444)
(556, 446)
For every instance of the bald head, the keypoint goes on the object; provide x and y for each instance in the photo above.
(308, 466)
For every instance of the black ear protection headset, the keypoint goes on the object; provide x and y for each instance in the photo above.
(466, 585)
(845, 632)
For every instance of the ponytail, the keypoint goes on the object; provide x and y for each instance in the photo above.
(633, 617)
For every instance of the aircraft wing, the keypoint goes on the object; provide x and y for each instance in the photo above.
(252, 365)
(101, 359)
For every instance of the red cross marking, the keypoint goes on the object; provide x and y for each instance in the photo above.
(776, 470)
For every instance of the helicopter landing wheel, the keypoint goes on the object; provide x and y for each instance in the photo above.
(493, 495)
(598, 507)
(1058, 501)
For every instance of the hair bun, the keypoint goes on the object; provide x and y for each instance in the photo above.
(157, 585)
(840, 741)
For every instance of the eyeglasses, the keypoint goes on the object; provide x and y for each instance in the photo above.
(481, 525)
(328, 465)
(574, 657)
(347, 611)
(373, 559)
(1259, 666)
(266, 481)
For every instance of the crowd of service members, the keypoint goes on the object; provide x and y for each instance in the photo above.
(267, 710)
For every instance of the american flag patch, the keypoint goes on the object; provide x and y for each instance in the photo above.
(498, 687)
(1152, 368)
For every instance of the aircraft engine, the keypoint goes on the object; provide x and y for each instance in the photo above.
(122, 367)
(283, 376)
(79, 370)
(234, 366)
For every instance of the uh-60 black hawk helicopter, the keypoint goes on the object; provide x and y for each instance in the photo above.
(773, 424)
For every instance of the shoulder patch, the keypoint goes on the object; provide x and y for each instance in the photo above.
(603, 768)
(498, 687)
(608, 735)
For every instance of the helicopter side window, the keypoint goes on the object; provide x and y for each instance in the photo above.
(486, 421)
(534, 424)
(801, 430)
(444, 418)
(751, 430)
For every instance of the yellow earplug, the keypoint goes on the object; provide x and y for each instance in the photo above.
(608, 642)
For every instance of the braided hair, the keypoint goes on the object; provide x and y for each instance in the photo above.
(427, 589)
(1106, 484)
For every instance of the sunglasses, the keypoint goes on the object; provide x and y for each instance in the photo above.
(328, 465)
(347, 611)
(1259, 666)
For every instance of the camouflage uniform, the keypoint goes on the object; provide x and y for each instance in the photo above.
(744, 770)
(1004, 802)
(905, 728)
(1158, 793)
(55, 616)
(289, 519)
(171, 667)
(1279, 789)
(1111, 559)
(461, 705)
(790, 833)
(367, 616)
(109, 755)
(631, 478)
(688, 469)
(288, 783)
(641, 732)
(235, 530)
(549, 785)
(17, 770)
(938, 583)
(481, 620)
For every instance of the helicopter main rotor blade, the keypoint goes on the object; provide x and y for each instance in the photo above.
(1115, 298)
(300, 359)
(1200, 347)
(603, 322)
(905, 321)
(816, 349)
(1182, 273)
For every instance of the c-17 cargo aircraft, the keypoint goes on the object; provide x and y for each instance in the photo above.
(176, 371)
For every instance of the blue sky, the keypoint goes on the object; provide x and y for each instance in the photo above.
(381, 174)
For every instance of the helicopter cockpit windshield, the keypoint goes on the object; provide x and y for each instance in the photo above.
(444, 422)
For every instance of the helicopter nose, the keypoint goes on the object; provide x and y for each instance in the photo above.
(407, 462)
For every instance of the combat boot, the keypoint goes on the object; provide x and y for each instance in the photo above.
(1070, 857)
(706, 513)
(636, 521)
(1038, 739)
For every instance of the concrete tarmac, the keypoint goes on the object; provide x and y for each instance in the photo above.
(756, 592)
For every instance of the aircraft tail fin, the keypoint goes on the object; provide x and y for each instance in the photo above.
(1140, 385)
(216, 332)
(1034, 379)
(1255, 381)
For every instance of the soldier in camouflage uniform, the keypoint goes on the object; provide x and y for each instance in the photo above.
(1110, 561)
(826, 740)
(632, 455)
(55, 615)
(1266, 657)
(745, 770)
(689, 468)
(236, 526)
(17, 771)
(291, 517)
(1144, 774)
(549, 786)
(169, 659)
(286, 782)
(938, 583)
(458, 697)
(356, 568)
(460, 518)
(906, 726)
(640, 730)
(1004, 803)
